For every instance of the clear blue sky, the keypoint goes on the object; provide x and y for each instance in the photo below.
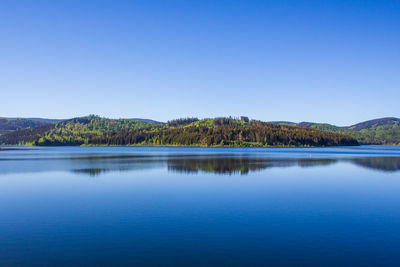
(324, 61)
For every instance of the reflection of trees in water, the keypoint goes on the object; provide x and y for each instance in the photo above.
(98, 171)
(222, 164)
(315, 162)
(94, 164)
(95, 167)
(238, 165)
(216, 165)
(388, 164)
(245, 165)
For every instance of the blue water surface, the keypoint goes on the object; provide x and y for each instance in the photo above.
(200, 206)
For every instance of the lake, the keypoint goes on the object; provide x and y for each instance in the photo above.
(200, 206)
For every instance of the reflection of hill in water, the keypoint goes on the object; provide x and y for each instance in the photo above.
(216, 165)
(389, 164)
(98, 171)
(230, 165)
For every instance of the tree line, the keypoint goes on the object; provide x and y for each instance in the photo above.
(183, 132)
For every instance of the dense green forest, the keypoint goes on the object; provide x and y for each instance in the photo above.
(94, 130)
(385, 131)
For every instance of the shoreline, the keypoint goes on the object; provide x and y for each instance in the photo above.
(7, 147)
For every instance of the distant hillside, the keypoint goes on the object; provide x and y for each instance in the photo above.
(148, 120)
(384, 131)
(322, 127)
(283, 122)
(41, 120)
(386, 122)
(8, 125)
(93, 130)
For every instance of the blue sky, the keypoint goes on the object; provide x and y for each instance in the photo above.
(324, 61)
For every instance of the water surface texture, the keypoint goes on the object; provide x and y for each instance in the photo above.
(200, 206)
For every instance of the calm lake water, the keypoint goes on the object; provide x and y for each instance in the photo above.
(200, 206)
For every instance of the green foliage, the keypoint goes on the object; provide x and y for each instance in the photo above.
(181, 122)
(81, 131)
(365, 133)
(93, 130)
(8, 125)
(327, 127)
(218, 122)
(380, 135)
(26, 136)
(227, 132)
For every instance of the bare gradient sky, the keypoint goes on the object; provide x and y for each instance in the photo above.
(323, 61)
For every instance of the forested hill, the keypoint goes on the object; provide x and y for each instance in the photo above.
(93, 130)
(75, 131)
(8, 125)
(390, 121)
(384, 131)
